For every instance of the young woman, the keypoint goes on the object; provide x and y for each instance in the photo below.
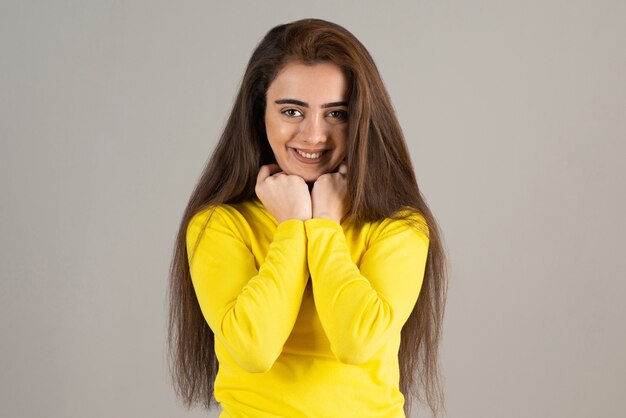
(308, 277)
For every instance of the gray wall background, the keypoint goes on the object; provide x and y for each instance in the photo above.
(515, 113)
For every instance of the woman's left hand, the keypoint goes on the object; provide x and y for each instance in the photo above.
(329, 195)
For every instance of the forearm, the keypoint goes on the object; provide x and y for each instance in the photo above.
(251, 312)
(360, 307)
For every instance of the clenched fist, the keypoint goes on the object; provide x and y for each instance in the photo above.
(285, 196)
(329, 195)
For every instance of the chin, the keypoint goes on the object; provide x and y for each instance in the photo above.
(310, 178)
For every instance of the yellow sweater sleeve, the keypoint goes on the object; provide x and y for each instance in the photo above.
(361, 307)
(250, 311)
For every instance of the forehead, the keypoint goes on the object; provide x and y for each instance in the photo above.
(323, 81)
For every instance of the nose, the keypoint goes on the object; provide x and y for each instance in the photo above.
(314, 129)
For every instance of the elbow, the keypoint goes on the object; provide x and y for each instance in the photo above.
(359, 341)
(253, 360)
(354, 353)
(253, 350)
(351, 358)
(256, 364)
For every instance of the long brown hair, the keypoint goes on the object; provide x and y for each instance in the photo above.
(380, 179)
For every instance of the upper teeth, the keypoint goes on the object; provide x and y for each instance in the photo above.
(308, 155)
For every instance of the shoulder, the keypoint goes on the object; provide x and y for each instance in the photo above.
(208, 214)
(224, 212)
(240, 220)
(404, 222)
(213, 217)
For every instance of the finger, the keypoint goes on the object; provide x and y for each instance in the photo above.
(274, 168)
(265, 171)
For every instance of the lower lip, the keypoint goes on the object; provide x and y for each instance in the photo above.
(309, 160)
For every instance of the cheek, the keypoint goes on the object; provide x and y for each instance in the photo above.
(278, 132)
(285, 131)
(342, 138)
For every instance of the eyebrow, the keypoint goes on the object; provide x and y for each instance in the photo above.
(303, 104)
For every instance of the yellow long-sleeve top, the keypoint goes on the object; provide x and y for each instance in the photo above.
(306, 314)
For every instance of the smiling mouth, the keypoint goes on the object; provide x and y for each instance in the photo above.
(310, 155)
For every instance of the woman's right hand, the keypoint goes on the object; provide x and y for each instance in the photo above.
(285, 196)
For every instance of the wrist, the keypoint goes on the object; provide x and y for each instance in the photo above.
(299, 217)
(326, 215)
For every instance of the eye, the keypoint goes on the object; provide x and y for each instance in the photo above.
(338, 114)
(292, 113)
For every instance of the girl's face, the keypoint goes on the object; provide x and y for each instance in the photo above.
(306, 118)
